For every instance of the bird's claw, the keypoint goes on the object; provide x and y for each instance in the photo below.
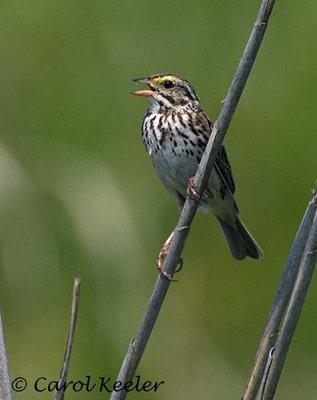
(161, 258)
(192, 190)
(180, 265)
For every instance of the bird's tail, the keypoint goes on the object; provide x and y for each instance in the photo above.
(240, 240)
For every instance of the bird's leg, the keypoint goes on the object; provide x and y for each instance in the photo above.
(162, 254)
(192, 190)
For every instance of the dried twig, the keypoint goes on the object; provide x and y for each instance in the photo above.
(70, 339)
(283, 294)
(303, 279)
(5, 383)
(138, 344)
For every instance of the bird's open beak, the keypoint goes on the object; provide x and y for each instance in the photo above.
(145, 93)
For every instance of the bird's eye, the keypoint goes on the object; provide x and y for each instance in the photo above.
(168, 84)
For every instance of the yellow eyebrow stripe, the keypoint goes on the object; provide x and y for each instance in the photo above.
(162, 79)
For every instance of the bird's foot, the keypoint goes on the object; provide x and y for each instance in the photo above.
(161, 257)
(192, 190)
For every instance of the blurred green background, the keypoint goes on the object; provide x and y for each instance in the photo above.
(79, 195)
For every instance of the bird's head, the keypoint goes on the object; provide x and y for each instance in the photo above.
(168, 90)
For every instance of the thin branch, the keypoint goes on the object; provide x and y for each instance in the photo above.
(5, 383)
(296, 303)
(280, 303)
(138, 344)
(70, 339)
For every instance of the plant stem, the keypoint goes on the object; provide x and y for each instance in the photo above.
(280, 302)
(5, 383)
(70, 339)
(138, 344)
(283, 341)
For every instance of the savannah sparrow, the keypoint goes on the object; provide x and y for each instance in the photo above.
(175, 132)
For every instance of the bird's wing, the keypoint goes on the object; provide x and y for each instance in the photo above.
(223, 168)
(222, 164)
